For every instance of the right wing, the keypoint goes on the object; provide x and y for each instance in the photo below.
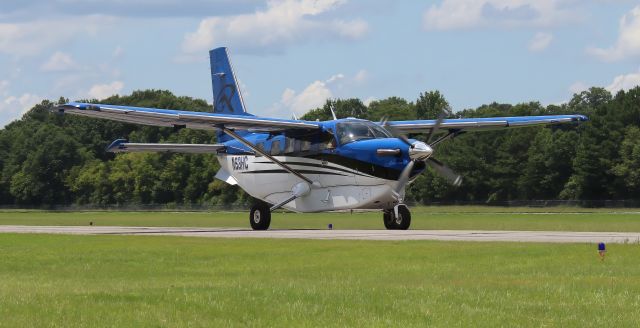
(485, 123)
(180, 118)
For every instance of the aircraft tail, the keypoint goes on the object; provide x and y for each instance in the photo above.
(227, 98)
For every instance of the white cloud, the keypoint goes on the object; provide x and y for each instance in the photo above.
(624, 82)
(628, 43)
(4, 84)
(578, 87)
(316, 93)
(118, 52)
(31, 38)
(361, 77)
(59, 61)
(12, 107)
(101, 91)
(540, 41)
(369, 100)
(620, 82)
(457, 14)
(282, 23)
(313, 96)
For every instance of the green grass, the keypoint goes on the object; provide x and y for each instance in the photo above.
(127, 281)
(453, 217)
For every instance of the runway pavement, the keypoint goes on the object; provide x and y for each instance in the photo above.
(454, 235)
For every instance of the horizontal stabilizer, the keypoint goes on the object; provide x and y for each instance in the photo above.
(122, 146)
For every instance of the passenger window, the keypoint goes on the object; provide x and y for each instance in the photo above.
(275, 147)
(260, 146)
(288, 145)
(306, 145)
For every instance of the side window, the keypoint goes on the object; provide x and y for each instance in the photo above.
(297, 145)
(306, 145)
(288, 145)
(330, 142)
(260, 145)
(275, 147)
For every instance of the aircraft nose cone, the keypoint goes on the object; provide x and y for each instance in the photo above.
(420, 151)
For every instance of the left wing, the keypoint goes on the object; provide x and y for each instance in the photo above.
(122, 146)
(180, 118)
(485, 123)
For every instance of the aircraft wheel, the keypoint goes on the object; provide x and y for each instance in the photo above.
(387, 218)
(260, 217)
(403, 220)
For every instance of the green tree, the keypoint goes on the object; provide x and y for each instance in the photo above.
(629, 168)
(430, 104)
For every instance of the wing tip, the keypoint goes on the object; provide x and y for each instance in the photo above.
(115, 145)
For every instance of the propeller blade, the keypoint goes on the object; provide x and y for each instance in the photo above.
(451, 176)
(436, 127)
(396, 133)
(404, 177)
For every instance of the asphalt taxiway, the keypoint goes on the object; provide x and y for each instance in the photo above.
(451, 235)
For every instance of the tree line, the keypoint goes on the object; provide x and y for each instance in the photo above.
(50, 159)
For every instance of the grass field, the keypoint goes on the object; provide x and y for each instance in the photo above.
(127, 281)
(446, 217)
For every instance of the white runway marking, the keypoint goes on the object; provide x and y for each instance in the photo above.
(451, 235)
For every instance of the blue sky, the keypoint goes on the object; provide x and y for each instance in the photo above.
(290, 56)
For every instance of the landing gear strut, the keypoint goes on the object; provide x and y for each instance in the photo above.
(260, 217)
(400, 222)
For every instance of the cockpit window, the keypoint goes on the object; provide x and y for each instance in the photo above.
(354, 131)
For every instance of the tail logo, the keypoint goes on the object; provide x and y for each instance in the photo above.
(223, 99)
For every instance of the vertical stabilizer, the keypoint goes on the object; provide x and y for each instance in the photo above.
(227, 98)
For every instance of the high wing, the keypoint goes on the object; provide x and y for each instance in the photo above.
(485, 123)
(122, 146)
(180, 118)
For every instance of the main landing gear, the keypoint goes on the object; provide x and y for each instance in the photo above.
(401, 221)
(260, 216)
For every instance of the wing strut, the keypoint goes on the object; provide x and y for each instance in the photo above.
(263, 153)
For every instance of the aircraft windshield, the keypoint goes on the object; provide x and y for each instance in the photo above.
(354, 131)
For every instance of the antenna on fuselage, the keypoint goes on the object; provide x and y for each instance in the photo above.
(332, 112)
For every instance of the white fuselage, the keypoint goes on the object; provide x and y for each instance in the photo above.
(335, 187)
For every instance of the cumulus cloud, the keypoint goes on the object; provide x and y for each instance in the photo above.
(282, 23)
(540, 41)
(361, 77)
(13, 107)
(27, 9)
(59, 61)
(101, 91)
(316, 93)
(458, 14)
(313, 96)
(628, 43)
(624, 82)
(118, 52)
(578, 87)
(620, 82)
(31, 38)
(4, 84)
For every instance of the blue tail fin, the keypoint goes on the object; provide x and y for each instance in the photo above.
(227, 98)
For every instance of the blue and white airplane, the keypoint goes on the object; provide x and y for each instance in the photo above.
(307, 166)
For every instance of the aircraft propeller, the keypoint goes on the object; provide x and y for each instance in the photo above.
(421, 151)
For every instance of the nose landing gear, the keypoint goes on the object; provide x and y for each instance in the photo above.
(397, 220)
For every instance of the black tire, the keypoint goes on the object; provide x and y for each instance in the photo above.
(403, 221)
(387, 218)
(260, 217)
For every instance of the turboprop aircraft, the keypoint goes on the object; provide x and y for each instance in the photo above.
(307, 166)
